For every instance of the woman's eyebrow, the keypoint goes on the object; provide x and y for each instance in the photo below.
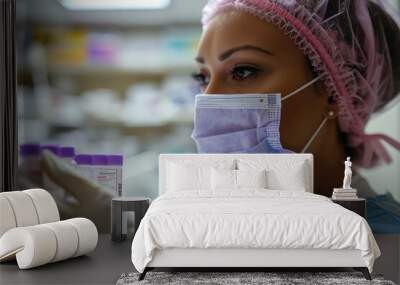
(231, 51)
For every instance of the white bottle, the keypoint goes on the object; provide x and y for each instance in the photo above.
(67, 154)
(84, 166)
(108, 172)
(48, 184)
(29, 162)
(102, 176)
(115, 161)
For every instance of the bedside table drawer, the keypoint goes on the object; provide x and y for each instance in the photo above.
(358, 206)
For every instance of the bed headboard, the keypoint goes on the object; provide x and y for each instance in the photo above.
(165, 158)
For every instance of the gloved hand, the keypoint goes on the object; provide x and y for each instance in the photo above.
(92, 202)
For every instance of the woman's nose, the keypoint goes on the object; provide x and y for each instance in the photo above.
(214, 87)
(211, 88)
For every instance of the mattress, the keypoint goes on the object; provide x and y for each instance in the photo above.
(250, 219)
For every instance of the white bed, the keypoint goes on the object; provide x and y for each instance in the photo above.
(286, 226)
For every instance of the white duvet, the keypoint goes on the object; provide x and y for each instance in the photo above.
(251, 218)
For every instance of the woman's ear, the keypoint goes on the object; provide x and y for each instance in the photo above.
(321, 90)
(332, 108)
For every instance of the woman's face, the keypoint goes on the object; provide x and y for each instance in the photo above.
(239, 53)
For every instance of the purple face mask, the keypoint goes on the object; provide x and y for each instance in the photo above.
(241, 123)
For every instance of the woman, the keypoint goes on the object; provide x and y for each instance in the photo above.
(339, 58)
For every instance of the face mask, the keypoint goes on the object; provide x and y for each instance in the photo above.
(241, 123)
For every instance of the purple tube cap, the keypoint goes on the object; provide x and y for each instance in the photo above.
(99, 159)
(29, 149)
(50, 147)
(115, 159)
(66, 151)
(83, 159)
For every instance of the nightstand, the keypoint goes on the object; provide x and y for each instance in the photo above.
(358, 205)
(124, 211)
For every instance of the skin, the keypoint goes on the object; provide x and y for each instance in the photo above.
(239, 53)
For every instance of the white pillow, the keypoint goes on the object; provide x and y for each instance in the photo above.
(290, 179)
(251, 178)
(237, 179)
(187, 177)
(281, 174)
(193, 174)
(223, 179)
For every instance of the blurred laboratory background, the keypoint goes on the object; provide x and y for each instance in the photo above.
(116, 79)
(109, 79)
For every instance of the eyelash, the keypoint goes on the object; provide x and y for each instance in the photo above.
(253, 71)
(201, 78)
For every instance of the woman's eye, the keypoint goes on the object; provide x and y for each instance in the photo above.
(243, 72)
(200, 78)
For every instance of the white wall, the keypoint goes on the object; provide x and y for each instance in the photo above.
(386, 178)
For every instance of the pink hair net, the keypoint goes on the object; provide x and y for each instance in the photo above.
(357, 70)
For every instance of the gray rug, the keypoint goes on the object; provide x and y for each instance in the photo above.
(230, 278)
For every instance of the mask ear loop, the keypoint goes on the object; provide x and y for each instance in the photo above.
(302, 88)
(330, 115)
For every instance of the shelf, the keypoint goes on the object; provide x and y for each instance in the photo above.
(117, 70)
(125, 127)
